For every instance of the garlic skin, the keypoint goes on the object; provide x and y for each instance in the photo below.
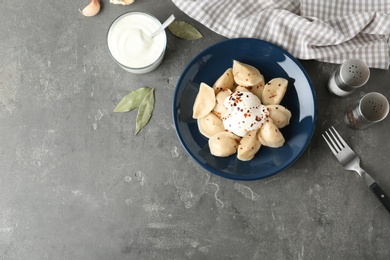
(91, 9)
(121, 2)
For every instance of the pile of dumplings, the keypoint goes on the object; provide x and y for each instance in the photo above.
(232, 129)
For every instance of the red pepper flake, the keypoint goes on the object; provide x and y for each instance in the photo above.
(245, 115)
(258, 118)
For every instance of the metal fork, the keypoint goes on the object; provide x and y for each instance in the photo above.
(350, 161)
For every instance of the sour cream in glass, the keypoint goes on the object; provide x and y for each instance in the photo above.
(130, 44)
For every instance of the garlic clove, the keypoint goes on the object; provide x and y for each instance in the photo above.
(121, 2)
(91, 9)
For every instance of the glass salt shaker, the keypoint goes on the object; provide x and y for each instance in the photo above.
(351, 75)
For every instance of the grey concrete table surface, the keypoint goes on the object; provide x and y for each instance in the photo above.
(77, 184)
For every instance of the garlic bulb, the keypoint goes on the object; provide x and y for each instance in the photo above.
(121, 2)
(91, 9)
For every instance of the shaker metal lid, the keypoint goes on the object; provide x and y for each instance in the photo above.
(354, 73)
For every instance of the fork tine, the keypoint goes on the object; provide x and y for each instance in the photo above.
(342, 143)
(335, 141)
(329, 144)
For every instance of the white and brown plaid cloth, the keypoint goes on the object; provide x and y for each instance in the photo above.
(326, 30)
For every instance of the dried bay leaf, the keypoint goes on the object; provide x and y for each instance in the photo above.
(184, 30)
(145, 111)
(143, 99)
(132, 100)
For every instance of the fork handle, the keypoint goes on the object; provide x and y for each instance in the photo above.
(381, 195)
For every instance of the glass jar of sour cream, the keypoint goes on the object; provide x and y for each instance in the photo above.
(131, 45)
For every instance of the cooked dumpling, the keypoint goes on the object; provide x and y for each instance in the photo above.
(210, 125)
(204, 101)
(249, 146)
(279, 115)
(225, 81)
(269, 135)
(220, 110)
(223, 144)
(246, 75)
(258, 88)
(241, 89)
(274, 91)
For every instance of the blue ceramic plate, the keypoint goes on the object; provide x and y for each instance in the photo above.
(272, 62)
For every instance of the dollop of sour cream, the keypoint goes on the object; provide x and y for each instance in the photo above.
(245, 113)
(130, 43)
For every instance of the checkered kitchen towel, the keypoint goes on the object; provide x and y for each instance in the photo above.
(326, 30)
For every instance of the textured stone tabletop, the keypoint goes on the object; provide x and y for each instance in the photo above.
(77, 184)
